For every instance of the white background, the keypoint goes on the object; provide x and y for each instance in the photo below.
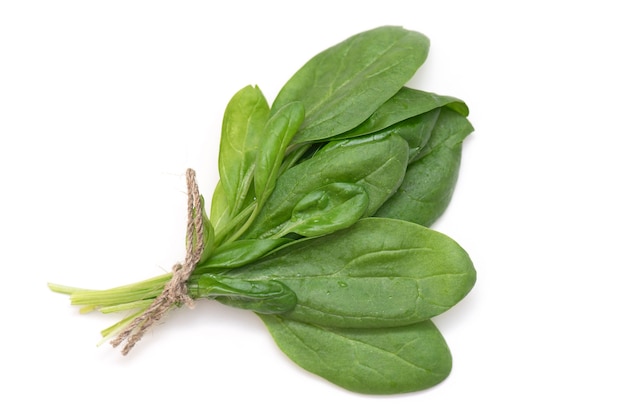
(103, 105)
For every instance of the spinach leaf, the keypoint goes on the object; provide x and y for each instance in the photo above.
(378, 167)
(430, 180)
(327, 209)
(268, 297)
(377, 273)
(244, 119)
(372, 361)
(239, 253)
(220, 213)
(343, 85)
(277, 134)
(405, 104)
(416, 131)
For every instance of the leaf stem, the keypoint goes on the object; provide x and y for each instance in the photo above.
(223, 233)
(135, 298)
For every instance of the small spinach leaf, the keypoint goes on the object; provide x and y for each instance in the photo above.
(277, 134)
(219, 214)
(244, 119)
(327, 209)
(268, 297)
(373, 361)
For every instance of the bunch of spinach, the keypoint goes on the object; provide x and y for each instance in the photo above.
(319, 222)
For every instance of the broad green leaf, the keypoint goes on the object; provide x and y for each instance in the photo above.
(327, 209)
(244, 120)
(377, 166)
(377, 361)
(416, 131)
(343, 85)
(268, 297)
(427, 188)
(240, 252)
(377, 273)
(277, 134)
(430, 180)
(405, 104)
(450, 128)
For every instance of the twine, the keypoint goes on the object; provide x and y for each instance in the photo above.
(175, 291)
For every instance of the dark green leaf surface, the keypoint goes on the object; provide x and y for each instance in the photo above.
(430, 180)
(372, 361)
(417, 131)
(268, 297)
(328, 209)
(405, 104)
(378, 167)
(377, 273)
(343, 85)
(450, 128)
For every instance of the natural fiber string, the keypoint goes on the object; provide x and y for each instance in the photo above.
(175, 291)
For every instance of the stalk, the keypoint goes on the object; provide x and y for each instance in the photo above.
(133, 298)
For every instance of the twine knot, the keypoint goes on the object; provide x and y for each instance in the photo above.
(175, 291)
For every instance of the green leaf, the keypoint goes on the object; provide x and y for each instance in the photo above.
(267, 297)
(450, 128)
(343, 85)
(430, 180)
(208, 234)
(377, 273)
(240, 252)
(405, 104)
(277, 134)
(219, 214)
(417, 131)
(328, 209)
(378, 167)
(376, 361)
(244, 120)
